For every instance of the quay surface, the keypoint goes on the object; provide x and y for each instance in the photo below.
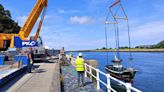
(45, 78)
(70, 82)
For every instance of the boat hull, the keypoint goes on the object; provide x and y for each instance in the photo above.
(125, 74)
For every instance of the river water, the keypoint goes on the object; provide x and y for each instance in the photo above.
(150, 66)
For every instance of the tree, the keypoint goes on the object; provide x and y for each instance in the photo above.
(103, 48)
(160, 45)
(7, 25)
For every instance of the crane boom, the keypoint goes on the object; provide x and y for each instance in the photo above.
(27, 27)
(115, 3)
(40, 24)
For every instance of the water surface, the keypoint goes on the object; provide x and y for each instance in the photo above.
(150, 66)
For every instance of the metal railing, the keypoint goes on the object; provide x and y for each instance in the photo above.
(89, 68)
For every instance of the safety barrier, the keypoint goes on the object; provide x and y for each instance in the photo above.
(89, 69)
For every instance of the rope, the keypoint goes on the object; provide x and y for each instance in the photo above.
(116, 34)
(129, 39)
(106, 38)
(117, 40)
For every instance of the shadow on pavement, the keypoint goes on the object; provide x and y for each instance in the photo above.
(87, 83)
(39, 71)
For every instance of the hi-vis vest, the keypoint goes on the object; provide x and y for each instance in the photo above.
(79, 64)
(70, 56)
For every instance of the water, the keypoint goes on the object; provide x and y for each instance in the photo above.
(150, 66)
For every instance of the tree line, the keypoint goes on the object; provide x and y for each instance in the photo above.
(159, 45)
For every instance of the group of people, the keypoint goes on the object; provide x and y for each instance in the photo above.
(79, 63)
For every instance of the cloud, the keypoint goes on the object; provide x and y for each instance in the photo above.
(66, 11)
(81, 20)
(96, 2)
(142, 34)
(152, 30)
(21, 19)
(147, 33)
(159, 7)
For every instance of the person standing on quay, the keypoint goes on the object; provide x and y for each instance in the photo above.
(31, 59)
(80, 69)
(70, 56)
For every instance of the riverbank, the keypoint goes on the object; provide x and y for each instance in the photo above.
(121, 50)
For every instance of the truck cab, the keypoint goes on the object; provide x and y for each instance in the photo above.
(40, 51)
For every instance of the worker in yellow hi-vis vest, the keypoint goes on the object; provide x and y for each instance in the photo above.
(80, 69)
(70, 56)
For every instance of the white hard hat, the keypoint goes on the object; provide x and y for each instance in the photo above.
(80, 54)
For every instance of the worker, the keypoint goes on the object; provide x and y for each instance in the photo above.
(80, 69)
(70, 56)
(31, 60)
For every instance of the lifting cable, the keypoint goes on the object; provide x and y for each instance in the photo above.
(116, 34)
(116, 26)
(128, 29)
(106, 38)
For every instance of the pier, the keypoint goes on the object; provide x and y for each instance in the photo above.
(70, 82)
(44, 78)
(52, 76)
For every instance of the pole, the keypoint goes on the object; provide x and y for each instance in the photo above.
(108, 82)
(98, 78)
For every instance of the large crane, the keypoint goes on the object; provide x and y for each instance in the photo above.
(7, 40)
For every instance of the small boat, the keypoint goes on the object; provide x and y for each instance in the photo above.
(118, 71)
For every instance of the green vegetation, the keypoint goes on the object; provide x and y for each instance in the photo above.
(160, 45)
(103, 48)
(157, 47)
(7, 25)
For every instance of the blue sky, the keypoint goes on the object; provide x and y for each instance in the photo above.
(79, 24)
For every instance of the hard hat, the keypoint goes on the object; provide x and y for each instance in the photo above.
(80, 54)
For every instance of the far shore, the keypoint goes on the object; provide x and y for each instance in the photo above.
(121, 50)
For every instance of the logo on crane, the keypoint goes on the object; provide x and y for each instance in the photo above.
(18, 43)
(29, 43)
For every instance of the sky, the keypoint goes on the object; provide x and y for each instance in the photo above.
(80, 24)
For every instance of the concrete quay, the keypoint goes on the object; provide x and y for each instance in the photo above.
(44, 78)
(70, 83)
(49, 76)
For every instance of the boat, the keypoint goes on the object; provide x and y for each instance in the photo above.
(115, 68)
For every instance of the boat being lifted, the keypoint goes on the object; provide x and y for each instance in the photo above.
(116, 69)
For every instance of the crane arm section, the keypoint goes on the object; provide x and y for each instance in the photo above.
(40, 24)
(24, 32)
(115, 3)
(31, 20)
